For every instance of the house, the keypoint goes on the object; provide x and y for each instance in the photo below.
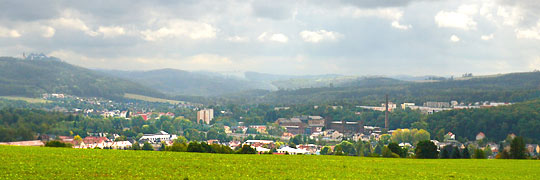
(480, 136)
(212, 141)
(161, 136)
(533, 149)
(311, 148)
(260, 128)
(261, 150)
(94, 140)
(291, 151)
(260, 143)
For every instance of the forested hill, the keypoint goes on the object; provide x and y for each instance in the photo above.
(514, 87)
(522, 119)
(179, 82)
(32, 78)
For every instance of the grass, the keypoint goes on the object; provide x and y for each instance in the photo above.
(150, 99)
(66, 163)
(27, 99)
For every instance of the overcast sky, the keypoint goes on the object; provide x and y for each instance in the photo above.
(351, 37)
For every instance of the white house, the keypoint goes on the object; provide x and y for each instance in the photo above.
(159, 137)
(291, 151)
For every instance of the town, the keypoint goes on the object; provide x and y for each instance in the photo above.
(300, 134)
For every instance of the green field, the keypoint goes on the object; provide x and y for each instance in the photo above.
(47, 163)
(27, 99)
(150, 99)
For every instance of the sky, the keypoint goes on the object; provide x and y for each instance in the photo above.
(362, 37)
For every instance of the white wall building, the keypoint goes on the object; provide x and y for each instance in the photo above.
(162, 136)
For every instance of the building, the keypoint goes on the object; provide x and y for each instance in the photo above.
(292, 125)
(480, 136)
(205, 116)
(433, 104)
(291, 151)
(316, 123)
(162, 136)
(347, 127)
(406, 105)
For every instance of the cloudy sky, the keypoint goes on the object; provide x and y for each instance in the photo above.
(362, 37)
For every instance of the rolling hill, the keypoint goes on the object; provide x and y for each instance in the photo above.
(31, 78)
(513, 87)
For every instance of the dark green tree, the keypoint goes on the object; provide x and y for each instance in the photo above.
(147, 147)
(517, 148)
(426, 150)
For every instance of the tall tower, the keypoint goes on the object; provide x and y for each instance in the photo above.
(386, 114)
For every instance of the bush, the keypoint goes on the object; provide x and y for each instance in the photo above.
(426, 150)
(147, 147)
(194, 146)
(246, 149)
(58, 144)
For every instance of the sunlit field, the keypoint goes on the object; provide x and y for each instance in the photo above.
(42, 162)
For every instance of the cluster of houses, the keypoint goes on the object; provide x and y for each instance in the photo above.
(431, 107)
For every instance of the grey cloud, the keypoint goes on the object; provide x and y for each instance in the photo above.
(378, 3)
(278, 9)
(26, 10)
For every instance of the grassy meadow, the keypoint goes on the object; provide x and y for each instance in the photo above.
(66, 163)
(27, 99)
(150, 99)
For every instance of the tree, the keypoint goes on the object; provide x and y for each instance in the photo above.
(178, 147)
(479, 154)
(57, 144)
(181, 139)
(517, 148)
(136, 146)
(445, 152)
(426, 150)
(77, 139)
(147, 147)
(386, 152)
(325, 150)
(194, 146)
(247, 149)
(455, 154)
(297, 139)
(338, 150)
(465, 154)
(395, 148)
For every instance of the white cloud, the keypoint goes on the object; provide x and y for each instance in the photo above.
(237, 39)
(320, 35)
(181, 28)
(111, 31)
(48, 31)
(11, 33)
(396, 25)
(454, 38)
(278, 37)
(529, 33)
(487, 37)
(73, 23)
(511, 16)
(461, 19)
(392, 14)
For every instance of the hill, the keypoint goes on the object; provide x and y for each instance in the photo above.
(514, 87)
(522, 119)
(179, 82)
(31, 78)
(67, 163)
